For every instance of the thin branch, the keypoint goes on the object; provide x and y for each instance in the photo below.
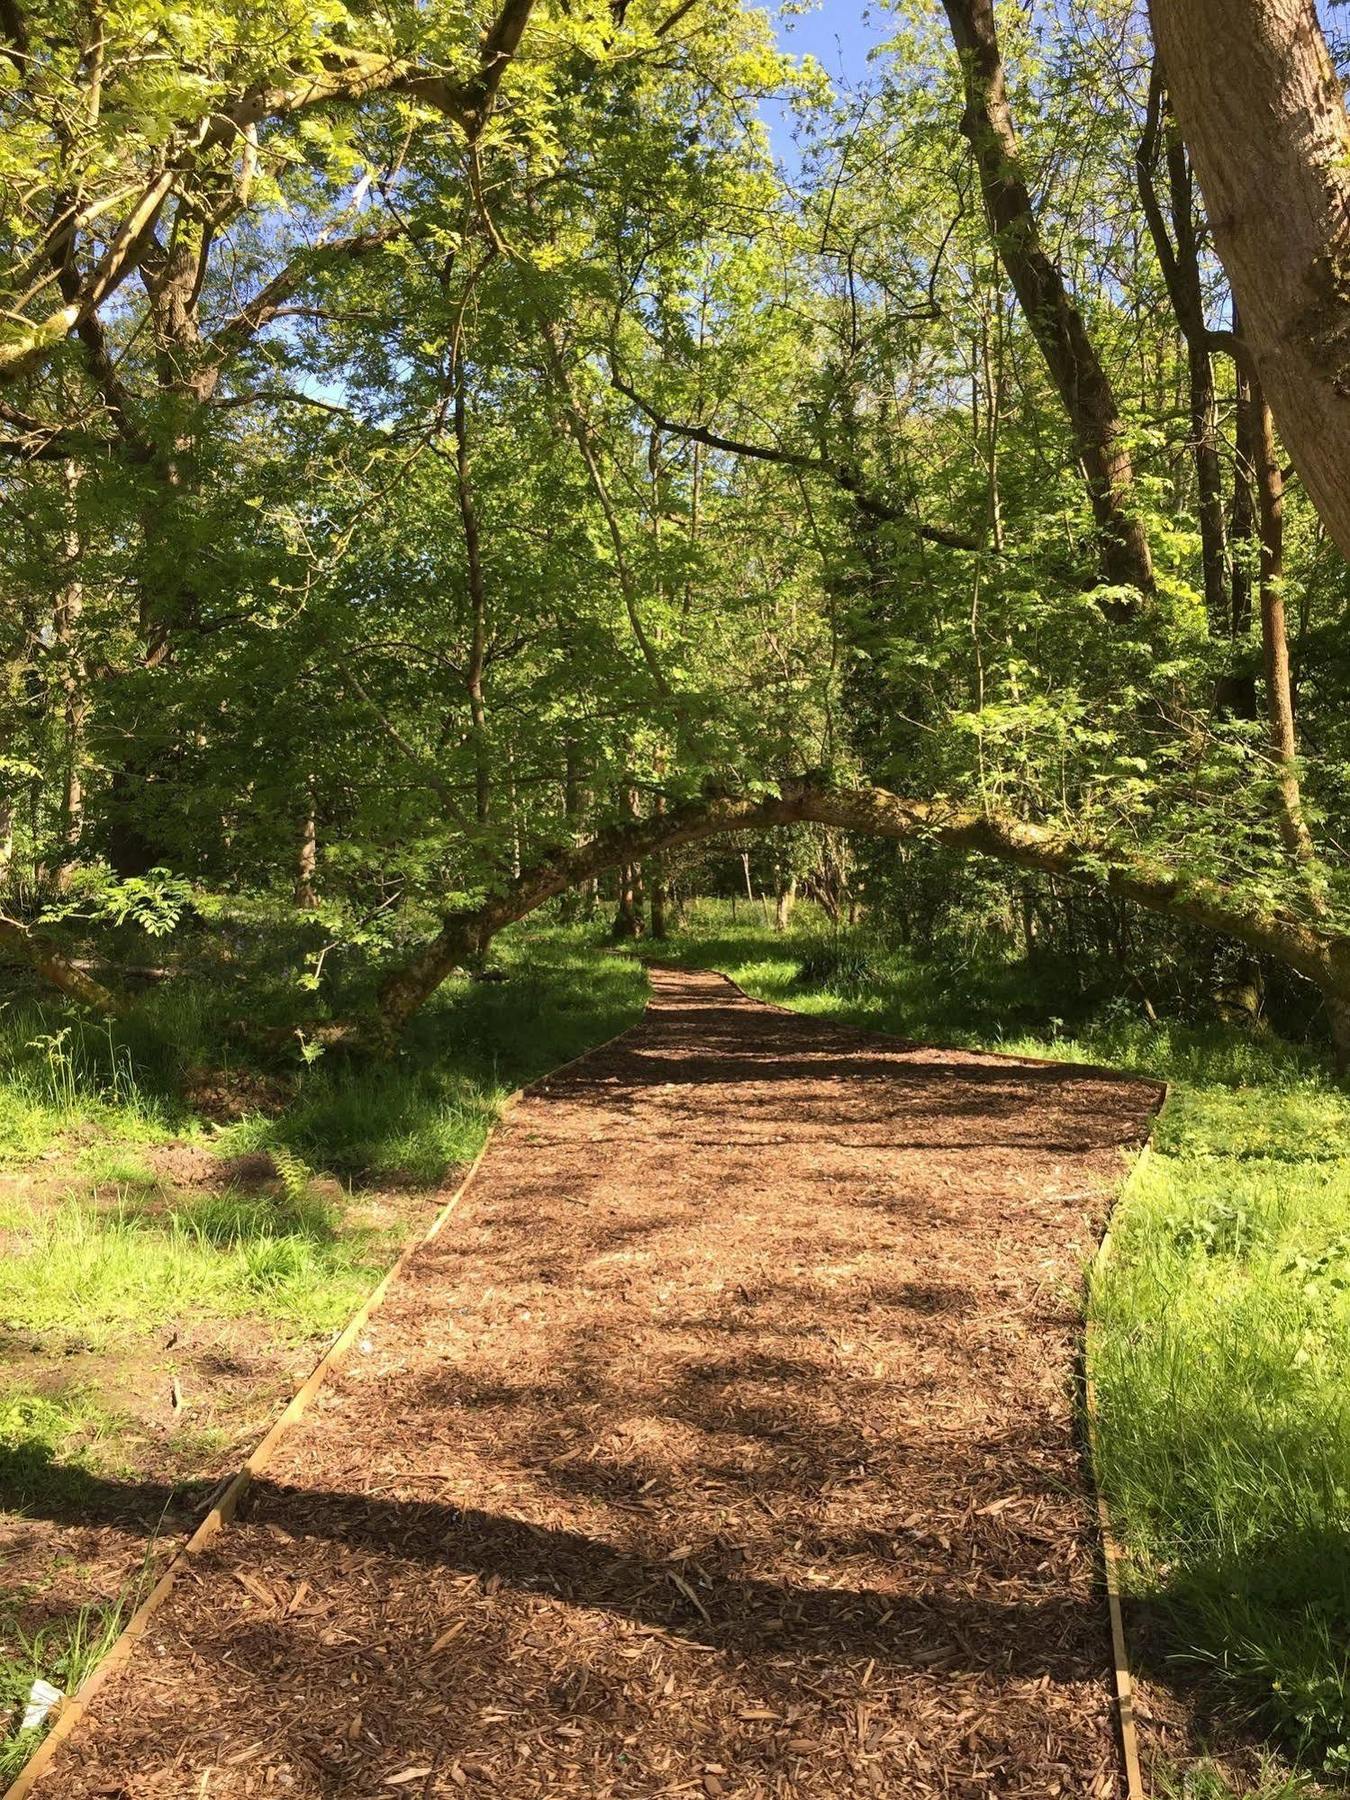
(839, 473)
(266, 304)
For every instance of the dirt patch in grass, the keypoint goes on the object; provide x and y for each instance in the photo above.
(228, 1094)
(181, 1164)
(724, 1445)
(114, 1437)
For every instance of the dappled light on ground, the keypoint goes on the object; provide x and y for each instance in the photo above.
(723, 1444)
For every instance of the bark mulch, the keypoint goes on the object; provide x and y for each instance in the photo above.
(722, 1445)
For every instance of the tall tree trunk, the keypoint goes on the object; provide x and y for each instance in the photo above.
(72, 790)
(1275, 642)
(656, 903)
(307, 854)
(1051, 313)
(74, 713)
(169, 608)
(1178, 253)
(477, 661)
(573, 903)
(628, 923)
(1262, 111)
(583, 435)
(132, 849)
(74, 698)
(656, 886)
(627, 926)
(1237, 688)
(784, 901)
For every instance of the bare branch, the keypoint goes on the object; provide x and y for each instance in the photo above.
(839, 473)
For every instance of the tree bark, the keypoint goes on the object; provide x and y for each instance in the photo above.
(657, 887)
(656, 905)
(1264, 118)
(1237, 687)
(784, 901)
(74, 695)
(628, 922)
(1051, 312)
(473, 557)
(1178, 253)
(1275, 641)
(19, 944)
(307, 854)
(627, 926)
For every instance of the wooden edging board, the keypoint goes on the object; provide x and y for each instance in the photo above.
(119, 1653)
(1111, 1551)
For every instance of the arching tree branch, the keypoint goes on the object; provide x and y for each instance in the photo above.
(1316, 951)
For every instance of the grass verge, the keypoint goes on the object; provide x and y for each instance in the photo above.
(62, 1654)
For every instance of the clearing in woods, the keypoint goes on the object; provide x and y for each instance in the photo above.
(723, 1444)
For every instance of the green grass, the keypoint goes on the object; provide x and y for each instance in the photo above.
(1206, 1782)
(55, 1445)
(53, 1450)
(62, 1652)
(1222, 1356)
(100, 1272)
(104, 1268)
(1223, 1368)
(59, 1071)
(107, 1092)
(432, 1107)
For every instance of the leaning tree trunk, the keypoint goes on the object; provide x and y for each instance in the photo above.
(21, 945)
(1052, 315)
(1263, 115)
(1311, 947)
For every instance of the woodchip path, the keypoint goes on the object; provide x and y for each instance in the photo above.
(722, 1445)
